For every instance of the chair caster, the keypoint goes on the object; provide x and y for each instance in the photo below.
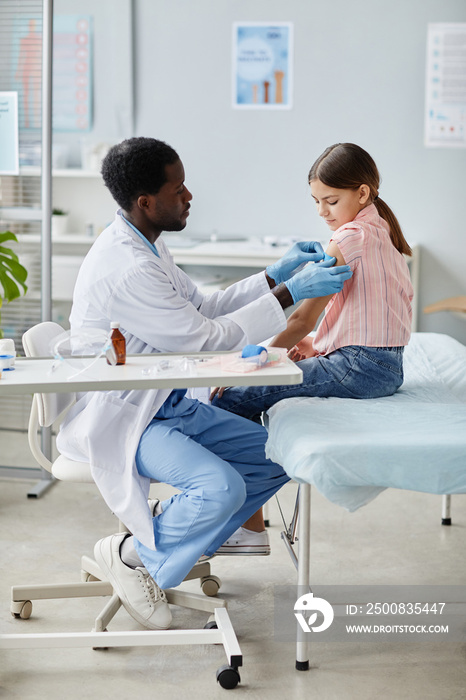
(211, 623)
(21, 609)
(228, 677)
(210, 585)
(100, 648)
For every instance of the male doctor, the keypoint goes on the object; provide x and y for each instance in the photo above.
(216, 459)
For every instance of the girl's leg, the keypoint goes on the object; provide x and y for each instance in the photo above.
(218, 462)
(352, 372)
(256, 522)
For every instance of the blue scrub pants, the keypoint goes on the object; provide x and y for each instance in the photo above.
(218, 462)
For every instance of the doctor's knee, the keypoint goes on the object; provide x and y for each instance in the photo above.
(228, 495)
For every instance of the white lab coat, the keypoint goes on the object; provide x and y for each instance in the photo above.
(160, 309)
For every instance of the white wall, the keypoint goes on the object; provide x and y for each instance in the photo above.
(359, 76)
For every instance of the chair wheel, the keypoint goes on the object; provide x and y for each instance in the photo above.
(211, 625)
(23, 610)
(228, 677)
(100, 648)
(210, 585)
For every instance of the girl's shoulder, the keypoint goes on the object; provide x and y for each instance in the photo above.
(351, 229)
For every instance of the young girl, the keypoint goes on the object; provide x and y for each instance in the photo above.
(357, 351)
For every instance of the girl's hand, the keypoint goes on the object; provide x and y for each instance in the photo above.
(218, 391)
(302, 350)
(295, 355)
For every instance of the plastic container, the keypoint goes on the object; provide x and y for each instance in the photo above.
(7, 347)
(6, 362)
(116, 355)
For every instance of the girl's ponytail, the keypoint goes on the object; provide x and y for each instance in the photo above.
(396, 234)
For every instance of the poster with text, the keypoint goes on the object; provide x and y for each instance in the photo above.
(72, 73)
(262, 65)
(445, 116)
(9, 161)
(26, 57)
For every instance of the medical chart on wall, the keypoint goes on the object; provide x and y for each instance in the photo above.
(9, 160)
(445, 117)
(72, 73)
(262, 65)
(27, 70)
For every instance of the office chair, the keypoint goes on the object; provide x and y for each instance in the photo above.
(45, 410)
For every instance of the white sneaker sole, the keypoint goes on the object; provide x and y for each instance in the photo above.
(243, 550)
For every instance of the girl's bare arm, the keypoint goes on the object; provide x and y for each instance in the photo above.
(304, 319)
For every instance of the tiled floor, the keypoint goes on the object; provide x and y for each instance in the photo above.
(397, 539)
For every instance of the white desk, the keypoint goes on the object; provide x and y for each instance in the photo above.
(252, 253)
(34, 376)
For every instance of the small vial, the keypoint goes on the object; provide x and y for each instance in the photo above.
(118, 344)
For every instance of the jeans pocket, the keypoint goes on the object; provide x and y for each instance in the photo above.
(373, 373)
(391, 360)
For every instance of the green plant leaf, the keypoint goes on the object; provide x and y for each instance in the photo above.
(7, 236)
(8, 253)
(16, 270)
(11, 272)
(10, 288)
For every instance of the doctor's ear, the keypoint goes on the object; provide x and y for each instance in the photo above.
(143, 202)
(364, 194)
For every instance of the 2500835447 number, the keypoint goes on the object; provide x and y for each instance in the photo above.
(404, 608)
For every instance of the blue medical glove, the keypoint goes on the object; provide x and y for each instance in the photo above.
(294, 260)
(318, 280)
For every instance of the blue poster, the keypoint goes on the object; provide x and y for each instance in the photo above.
(9, 162)
(262, 65)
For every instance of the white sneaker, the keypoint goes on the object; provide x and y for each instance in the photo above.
(246, 543)
(137, 590)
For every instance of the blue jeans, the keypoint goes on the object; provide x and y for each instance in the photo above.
(352, 372)
(217, 460)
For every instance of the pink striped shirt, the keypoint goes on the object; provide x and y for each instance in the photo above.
(374, 306)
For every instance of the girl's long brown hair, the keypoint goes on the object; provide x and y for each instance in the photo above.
(347, 166)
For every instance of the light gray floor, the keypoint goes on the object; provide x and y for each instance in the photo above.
(397, 539)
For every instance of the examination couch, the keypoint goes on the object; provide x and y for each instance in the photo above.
(351, 450)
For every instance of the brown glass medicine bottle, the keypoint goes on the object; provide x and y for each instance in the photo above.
(118, 342)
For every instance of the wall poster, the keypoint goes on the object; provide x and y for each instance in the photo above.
(72, 72)
(445, 115)
(262, 65)
(9, 160)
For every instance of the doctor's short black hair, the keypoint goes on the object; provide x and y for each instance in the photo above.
(135, 167)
